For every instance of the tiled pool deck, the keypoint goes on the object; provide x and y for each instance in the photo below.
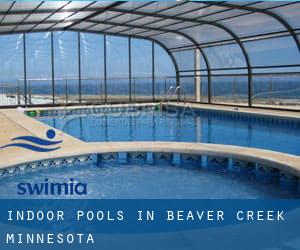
(15, 123)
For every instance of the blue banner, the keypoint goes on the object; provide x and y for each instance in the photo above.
(149, 224)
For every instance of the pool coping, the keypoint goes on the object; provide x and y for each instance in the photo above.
(295, 115)
(12, 157)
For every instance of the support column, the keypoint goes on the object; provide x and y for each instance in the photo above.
(25, 69)
(105, 70)
(198, 129)
(153, 72)
(197, 79)
(79, 67)
(129, 69)
(52, 69)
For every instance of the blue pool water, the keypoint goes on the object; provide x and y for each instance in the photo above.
(147, 181)
(119, 179)
(187, 126)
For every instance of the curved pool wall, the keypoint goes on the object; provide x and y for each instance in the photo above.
(139, 176)
(267, 167)
(178, 124)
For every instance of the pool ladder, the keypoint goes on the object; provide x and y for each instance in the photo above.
(177, 92)
(169, 94)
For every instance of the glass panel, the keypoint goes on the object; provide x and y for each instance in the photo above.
(80, 15)
(186, 62)
(243, 3)
(132, 5)
(189, 6)
(172, 40)
(277, 90)
(92, 67)
(161, 23)
(223, 14)
(180, 25)
(61, 25)
(100, 4)
(24, 27)
(230, 89)
(141, 54)
(267, 4)
(144, 20)
(187, 84)
(185, 59)
(39, 68)
(165, 75)
(77, 5)
(4, 6)
(100, 27)
(11, 70)
(203, 12)
(23, 6)
(59, 16)
(290, 13)
(36, 17)
(125, 18)
(276, 51)
(206, 33)
(14, 18)
(225, 56)
(133, 31)
(106, 15)
(48, 5)
(83, 25)
(252, 24)
(151, 33)
(43, 26)
(283, 69)
(7, 28)
(117, 69)
(203, 88)
(66, 67)
(202, 62)
(116, 29)
(157, 6)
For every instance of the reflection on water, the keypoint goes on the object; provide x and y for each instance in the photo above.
(188, 127)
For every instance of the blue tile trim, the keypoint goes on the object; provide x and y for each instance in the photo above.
(288, 182)
(67, 161)
(263, 173)
(217, 162)
(95, 110)
(267, 174)
(162, 157)
(259, 118)
(191, 159)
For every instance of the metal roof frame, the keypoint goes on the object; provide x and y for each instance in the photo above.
(181, 17)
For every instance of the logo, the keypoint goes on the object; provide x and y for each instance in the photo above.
(34, 143)
(71, 187)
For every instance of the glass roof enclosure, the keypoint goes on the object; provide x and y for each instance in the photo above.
(70, 52)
